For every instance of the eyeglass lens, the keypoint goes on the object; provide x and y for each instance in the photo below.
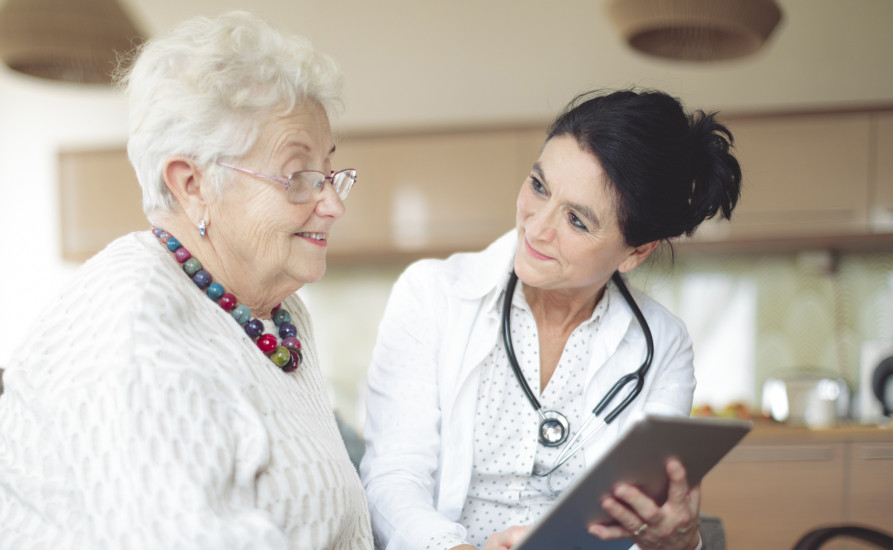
(305, 184)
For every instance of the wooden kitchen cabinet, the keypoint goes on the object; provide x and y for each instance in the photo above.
(781, 482)
(804, 175)
(431, 194)
(881, 209)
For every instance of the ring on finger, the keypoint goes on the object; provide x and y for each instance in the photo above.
(640, 530)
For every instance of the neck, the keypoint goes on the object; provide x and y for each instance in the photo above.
(225, 268)
(562, 308)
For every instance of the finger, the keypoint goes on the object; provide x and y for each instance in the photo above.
(515, 533)
(505, 539)
(678, 489)
(608, 532)
(638, 503)
(626, 518)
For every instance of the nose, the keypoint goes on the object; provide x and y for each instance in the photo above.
(540, 224)
(328, 203)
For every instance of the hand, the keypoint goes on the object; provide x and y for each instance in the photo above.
(505, 539)
(671, 526)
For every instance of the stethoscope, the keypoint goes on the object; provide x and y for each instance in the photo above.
(554, 426)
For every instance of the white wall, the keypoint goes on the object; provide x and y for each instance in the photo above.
(38, 118)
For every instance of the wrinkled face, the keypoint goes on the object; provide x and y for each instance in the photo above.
(274, 241)
(568, 235)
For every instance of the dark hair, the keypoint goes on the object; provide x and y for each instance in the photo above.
(669, 171)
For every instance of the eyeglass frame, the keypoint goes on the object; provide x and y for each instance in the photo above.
(287, 182)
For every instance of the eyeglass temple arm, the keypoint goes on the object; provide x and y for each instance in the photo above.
(639, 375)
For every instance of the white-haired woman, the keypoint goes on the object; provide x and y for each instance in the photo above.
(171, 397)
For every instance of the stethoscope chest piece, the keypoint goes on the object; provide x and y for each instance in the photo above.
(554, 428)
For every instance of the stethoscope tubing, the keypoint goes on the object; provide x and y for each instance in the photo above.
(587, 430)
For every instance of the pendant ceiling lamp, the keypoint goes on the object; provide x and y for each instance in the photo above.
(695, 30)
(66, 40)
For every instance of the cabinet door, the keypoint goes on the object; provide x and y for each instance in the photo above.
(881, 208)
(431, 194)
(802, 175)
(871, 486)
(768, 496)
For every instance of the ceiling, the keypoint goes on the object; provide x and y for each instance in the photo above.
(418, 63)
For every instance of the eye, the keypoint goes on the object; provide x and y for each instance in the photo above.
(576, 222)
(537, 186)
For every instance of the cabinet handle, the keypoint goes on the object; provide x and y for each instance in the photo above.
(877, 453)
(779, 453)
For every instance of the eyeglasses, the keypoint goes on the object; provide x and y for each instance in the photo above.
(306, 185)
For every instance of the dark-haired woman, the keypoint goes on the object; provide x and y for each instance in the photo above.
(456, 446)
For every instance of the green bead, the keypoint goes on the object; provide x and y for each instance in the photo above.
(280, 356)
(191, 266)
(281, 316)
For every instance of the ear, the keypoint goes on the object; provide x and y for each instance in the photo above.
(637, 256)
(184, 180)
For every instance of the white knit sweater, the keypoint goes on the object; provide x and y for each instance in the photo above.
(138, 414)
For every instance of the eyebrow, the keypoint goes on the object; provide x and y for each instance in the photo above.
(582, 209)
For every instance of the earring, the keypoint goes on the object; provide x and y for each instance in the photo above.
(202, 228)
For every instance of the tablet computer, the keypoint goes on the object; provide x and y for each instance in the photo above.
(638, 458)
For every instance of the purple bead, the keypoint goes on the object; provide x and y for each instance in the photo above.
(296, 359)
(291, 343)
(164, 236)
(202, 278)
(287, 330)
(254, 328)
(157, 231)
(291, 365)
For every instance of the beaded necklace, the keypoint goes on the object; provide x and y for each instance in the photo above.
(286, 355)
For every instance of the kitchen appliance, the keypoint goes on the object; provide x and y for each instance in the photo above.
(874, 353)
(818, 400)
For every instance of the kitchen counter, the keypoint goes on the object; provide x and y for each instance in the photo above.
(781, 481)
(767, 431)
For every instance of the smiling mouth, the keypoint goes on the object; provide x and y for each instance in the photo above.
(314, 236)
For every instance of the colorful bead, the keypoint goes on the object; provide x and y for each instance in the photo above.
(291, 365)
(202, 278)
(280, 356)
(267, 343)
(287, 330)
(281, 316)
(286, 355)
(297, 358)
(227, 301)
(241, 314)
(291, 343)
(215, 291)
(191, 265)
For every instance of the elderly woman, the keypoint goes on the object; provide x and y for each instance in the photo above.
(486, 362)
(172, 398)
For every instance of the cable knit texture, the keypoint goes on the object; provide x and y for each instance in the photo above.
(139, 415)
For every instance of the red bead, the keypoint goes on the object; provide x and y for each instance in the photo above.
(267, 343)
(227, 302)
(182, 254)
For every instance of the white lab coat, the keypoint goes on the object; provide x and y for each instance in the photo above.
(441, 321)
